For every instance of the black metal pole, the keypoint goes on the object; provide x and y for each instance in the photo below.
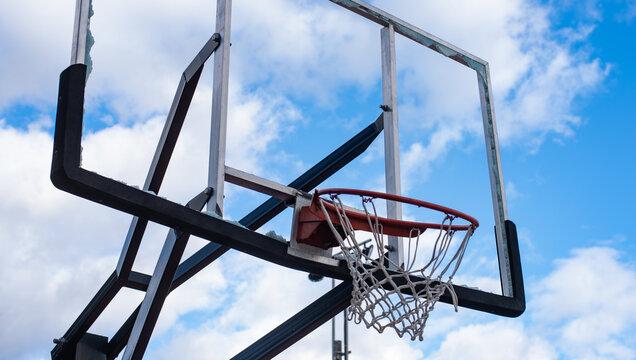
(346, 334)
(334, 348)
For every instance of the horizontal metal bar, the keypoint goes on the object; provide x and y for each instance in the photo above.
(137, 281)
(319, 172)
(256, 183)
(299, 325)
(414, 33)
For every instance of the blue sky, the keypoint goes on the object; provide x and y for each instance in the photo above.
(305, 77)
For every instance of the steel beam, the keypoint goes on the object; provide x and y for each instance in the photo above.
(256, 183)
(80, 32)
(138, 281)
(156, 294)
(220, 85)
(496, 178)
(391, 139)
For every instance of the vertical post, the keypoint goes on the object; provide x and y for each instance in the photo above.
(80, 31)
(391, 137)
(219, 106)
(334, 351)
(496, 178)
(345, 335)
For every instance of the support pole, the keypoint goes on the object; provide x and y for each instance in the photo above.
(391, 137)
(496, 179)
(80, 32)
(218, 131)
(345, 334)
(334, 348)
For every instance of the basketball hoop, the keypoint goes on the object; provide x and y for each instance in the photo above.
(386, 294)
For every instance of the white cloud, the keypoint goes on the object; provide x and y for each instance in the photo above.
(306, 48)
(504, 339)
(581, 310)
(58, 249)
(305, 52)
(630, 13)
(35, 42)
(261, 296)
(537, 75)
(564, 319)
(589, 299)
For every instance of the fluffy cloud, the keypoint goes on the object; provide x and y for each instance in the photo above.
(260, 297)
(581, 310)
(589, 299)
(35, 45)
(496, 340)
(538, 75)
(58, 249)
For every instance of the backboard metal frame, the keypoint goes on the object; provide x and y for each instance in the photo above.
(482, 70)
(68, 175)
(391, 25)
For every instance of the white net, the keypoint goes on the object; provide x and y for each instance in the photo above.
(390, 295)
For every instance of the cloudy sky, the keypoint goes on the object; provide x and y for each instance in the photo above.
(304, 78)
